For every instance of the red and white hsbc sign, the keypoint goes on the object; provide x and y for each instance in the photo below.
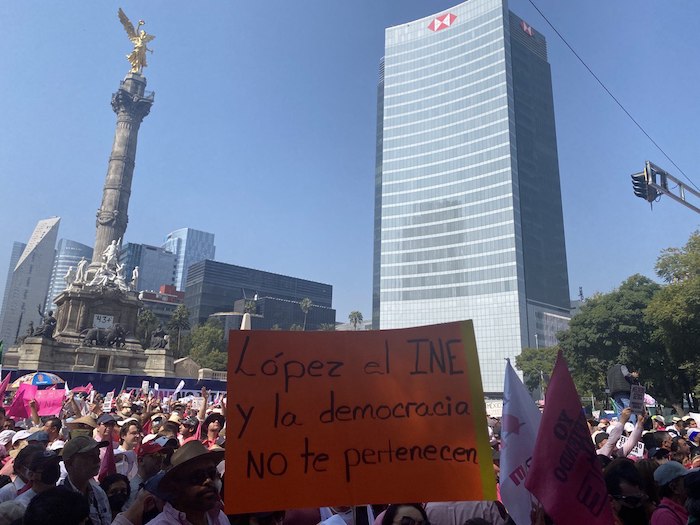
(442, 22)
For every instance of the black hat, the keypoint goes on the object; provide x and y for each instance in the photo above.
(212, 417)
(106, 419)
(692, 483)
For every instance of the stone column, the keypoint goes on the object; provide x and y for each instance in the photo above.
(131, 103)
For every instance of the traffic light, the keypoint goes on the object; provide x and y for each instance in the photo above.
(641, 187)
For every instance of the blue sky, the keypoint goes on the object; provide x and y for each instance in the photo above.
(263, 127)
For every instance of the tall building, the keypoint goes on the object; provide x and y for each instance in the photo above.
(17, 250)
(468, 214)
(68, 253)
(30, 282)
(190, 246)
(215, 286)
(157, 266)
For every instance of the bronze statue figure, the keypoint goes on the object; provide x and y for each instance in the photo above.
(137, 58)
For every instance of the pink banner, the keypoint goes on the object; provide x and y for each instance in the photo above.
(19, 408)
(49, 402)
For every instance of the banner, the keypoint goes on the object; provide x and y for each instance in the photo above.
(49, 402)
(346, 418)
(565, 474)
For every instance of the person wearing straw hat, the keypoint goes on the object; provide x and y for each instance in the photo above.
(190, 488)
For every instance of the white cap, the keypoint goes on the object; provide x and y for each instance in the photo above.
(57, 445)
(629, 427)
(22, 434)
(6, 436)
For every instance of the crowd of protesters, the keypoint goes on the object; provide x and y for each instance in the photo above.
(149, 460)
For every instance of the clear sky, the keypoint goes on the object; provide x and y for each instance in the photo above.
(264, 122)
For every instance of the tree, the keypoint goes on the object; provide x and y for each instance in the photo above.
(251, 307)
(612, 328)
(675, 313)
(179, 321)
(326, 327)
(207, 342)
(146, 323)
(355, 318)
(296, 328)
(536, 363)
(305, 304)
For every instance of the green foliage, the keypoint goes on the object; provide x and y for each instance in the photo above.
(251, 307)
(305, 305)
(276, 327)
(326, 327)
(675, 314)
(207, 345)
(296, 328)
(146, 323)
(179, 322)
(355, 318)
(536, 363)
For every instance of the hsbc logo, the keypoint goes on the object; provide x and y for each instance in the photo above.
(525, 27)
(442, 22)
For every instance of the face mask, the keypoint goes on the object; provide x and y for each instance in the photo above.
(636, 516)
(80, 432)
(116, 501)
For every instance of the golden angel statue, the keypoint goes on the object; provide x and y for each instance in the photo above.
(137, 58)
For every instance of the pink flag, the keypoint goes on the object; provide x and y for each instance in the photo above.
(108, 465)
(565, 474)
(87, 389)
(18, 408)
(49, 402)
(3, 387)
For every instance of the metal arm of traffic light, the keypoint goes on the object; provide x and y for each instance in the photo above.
(657, 179)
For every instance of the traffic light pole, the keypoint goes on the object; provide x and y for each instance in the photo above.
(654, 181)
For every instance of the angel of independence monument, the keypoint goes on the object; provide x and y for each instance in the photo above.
(95, 324)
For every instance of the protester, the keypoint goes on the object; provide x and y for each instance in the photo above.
(212, 426)
(81, 456)
(627, 497)
(58, 506)
(52, 427)
(405, 514)
(20, 484)
(646, 469)
(671, 510)
(191, 488)
(620, 380)
(130, 437)
(118, 491)
(150, 458)
(188, 429)
(43, 472)
(692, 502)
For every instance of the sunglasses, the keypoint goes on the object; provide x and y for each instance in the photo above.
(198, 477)
(631, 501)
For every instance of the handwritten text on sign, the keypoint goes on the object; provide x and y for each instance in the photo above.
(325, 418)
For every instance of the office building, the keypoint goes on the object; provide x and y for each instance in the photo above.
(157, 266)
(17, 250)
(215, 286)
(468, 214)
(29, 283)
(68, 254)
(162, 303)
(190, 246)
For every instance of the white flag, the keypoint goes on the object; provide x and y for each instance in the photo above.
(179, 387)
(519, 426)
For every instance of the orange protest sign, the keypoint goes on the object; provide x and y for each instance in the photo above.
(347, 418)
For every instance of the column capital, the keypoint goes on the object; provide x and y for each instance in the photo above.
(132, 104)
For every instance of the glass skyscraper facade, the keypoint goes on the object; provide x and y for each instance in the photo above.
(190, 246)
(68, 253)
(468, 218)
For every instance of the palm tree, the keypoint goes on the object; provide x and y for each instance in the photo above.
(355, 318)
(179, 321)
(305, 304)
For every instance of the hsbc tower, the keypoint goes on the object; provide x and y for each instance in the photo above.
(468, 213)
